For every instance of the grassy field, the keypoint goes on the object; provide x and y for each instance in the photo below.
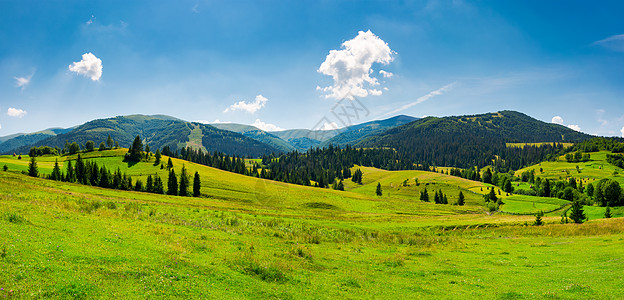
(594, 169)
(251, 238)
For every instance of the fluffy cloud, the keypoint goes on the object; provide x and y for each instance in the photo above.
(350, 67)
(251, 107)
(22, 82)
(216, 121)
(614, 43)
(329, 126)
(557, 120)
(622, 131)
(266, 126)
(15, 112)
(575, 127)
(90, 66)
(386, 74)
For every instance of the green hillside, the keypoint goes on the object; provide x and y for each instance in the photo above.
(356, 133)
(257, 134)
(158, 131)
(252, 238)
(478, 140)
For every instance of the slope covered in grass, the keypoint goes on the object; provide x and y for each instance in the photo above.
(62, 240)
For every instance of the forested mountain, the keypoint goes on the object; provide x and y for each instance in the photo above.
(158, 131)
(477, 140)
(304, 139)
(14, 141)
(258, 135)
(356, 133)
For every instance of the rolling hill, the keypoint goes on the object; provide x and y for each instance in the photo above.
(158, 131)
(258, 135)
(353, 134)
(253, 238)
(467, 141)
(15, 141)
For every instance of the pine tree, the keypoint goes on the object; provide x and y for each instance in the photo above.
(492, 196)
(460, 198)
(172, 183)
(135, 153)
(196, 185)
(340, 186)
(81, 171)
(576, 213)
(444, 199)
(378, 191)
(104, 178)
(33, 170)
(157, 157)
(425, 196)
(184, 183)
(169, 164)
(607, 213)
(538, 219)
(158, 185)
(71, 172)
(56, 172)
(149, 185)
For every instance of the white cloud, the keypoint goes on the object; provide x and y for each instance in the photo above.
(575, 127)
(266, 126)
(329, 126)
(350, 67)
(251, 107)
(216, 121)
(195, 8)
(22, 82)
(16, 112)
(557, 120)
(622, 131)
(422, 99)
(386, 74)
(90, 66)
(614, 43)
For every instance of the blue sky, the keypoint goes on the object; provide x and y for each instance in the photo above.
(268, 63)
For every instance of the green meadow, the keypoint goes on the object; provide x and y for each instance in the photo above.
(253, 238)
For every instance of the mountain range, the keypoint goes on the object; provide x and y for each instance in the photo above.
(431, 139)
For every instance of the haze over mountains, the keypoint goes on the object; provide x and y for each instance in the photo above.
(426, 139)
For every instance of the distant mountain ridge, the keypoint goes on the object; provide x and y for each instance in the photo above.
(466, 141)
(353, 134)
(158, 131)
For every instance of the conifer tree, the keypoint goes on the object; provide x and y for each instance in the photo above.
(340, 186)
(33, 170)
(158, 185)
(378, 190)
(157, 157)
(184, 183)
(491, 196)
(576, 213)
(56, 172)
(196, 185)
(104, 178)
(81, 171)
(172, 183)
(169, 164)
(425, 196)
(149, 185)
(71, 172)
(460, 199)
